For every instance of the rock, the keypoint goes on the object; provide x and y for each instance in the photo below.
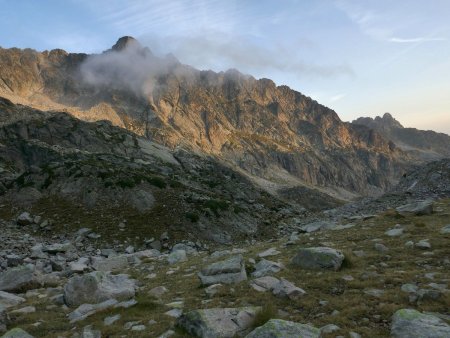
(417, 208)
(423, 244)
(8, 300)
(96, 287)
(380, 247)
(266, 283)
(175, 313)
(19, 279)
(269, 252)
(377, 293)
(330, 328)
(317, 226)
(446, 229)
(409, 244)
(129, 249)
(79, 266)
(284, 329)
(352, 334)
(319, 258)
(409, 288)
(150, 253)
(88, 332)
(17, 333)
(58, 247)
(86, 310)
(114, 263)
(111, 319)
(13, 260)
(394, 232)
(218, 323)
(24, 219)
(158, 291)
(190, 249)
(37, 252)
(265, 267)
(212, 289)
(407, 323)
(285, 289)
(229, 271)
(24, 310)
(177, 256)
(138, 328)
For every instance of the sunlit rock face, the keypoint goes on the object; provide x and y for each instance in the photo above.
(269, 131)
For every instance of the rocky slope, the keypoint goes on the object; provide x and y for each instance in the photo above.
(76, 174)
(269, 132)
(422, 144)
(386, 275)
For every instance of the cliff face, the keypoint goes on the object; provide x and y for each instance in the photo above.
(269, 131)
(421, 144)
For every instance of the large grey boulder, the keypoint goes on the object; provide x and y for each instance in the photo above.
(317, 258)
(96, 287)
(418, 208)
(19, 279)
(17, 333)
(408, 323)
(229, 271)
(218, 323)
(8, 300)
(277, 328)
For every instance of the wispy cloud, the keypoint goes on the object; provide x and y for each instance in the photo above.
(416, 40)
(337, 97)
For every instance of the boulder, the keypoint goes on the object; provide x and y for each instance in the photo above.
(284, 329)
(218, 323)
(445, 229)
(96, 287)
(266, 283)
(418, 208)
(286, 289)
(317, 258)
(177, 256)
(8, 300)
(265, 267)
(407, 323)
(112, 263)
(86, 310)
(19, 279)
(229, 271)
(24, 219)
(318, 225)
(17, 333)
(58, 247)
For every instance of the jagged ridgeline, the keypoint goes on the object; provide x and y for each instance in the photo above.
(277, 136)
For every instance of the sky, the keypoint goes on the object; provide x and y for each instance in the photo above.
(358, 57)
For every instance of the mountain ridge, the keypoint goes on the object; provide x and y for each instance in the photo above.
(269, 131)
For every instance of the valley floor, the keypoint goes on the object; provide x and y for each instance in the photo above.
(382, 273)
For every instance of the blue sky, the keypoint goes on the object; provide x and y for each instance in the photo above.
(358, 57)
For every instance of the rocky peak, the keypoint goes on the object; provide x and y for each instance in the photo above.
(126, 42)
(386, 122)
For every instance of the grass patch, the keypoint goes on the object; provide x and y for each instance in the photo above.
(266, 313)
